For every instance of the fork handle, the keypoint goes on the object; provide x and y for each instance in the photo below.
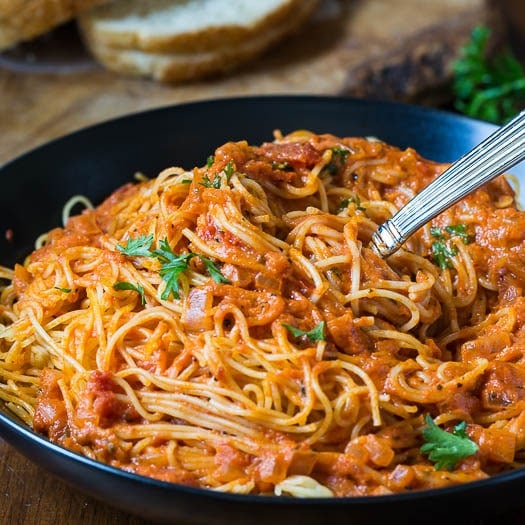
(499, 152)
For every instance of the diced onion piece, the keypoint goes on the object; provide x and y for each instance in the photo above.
(197, 312)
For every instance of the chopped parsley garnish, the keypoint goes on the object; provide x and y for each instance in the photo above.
(171, 271)
(461, 231)
(185, 181)
(209, 183)
(444, 448)
(124, 285)
(314, 335)
(209, 161)
(283, 166)
(229, 170)
(355, 200)
(172, 265)
(341, 153)
(216, 182)
(214, 272)
(441, 252)
(343, 204)
(63, 290)
(436, 232)
(138, 247)
(339, 156)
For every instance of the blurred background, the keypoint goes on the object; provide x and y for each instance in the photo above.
(63, 71)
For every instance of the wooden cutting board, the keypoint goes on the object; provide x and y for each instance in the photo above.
(388, 49)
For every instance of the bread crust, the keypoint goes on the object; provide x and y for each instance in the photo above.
(26, 19)
(93, 23)
(180, 66)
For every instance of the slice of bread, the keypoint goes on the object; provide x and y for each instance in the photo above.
(26, 19)
(167, 26)
(185, 63)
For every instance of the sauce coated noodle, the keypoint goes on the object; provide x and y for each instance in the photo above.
(229, 328)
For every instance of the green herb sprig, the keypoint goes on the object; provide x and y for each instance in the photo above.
(216, 182)
(124, 285)
(490, 88)
(229, 170)
(352, 200)
(63, 290)
(340, 153)
(211, 183)
(442, 253)
(444, 448)
(282, 166)
(314, 335)
(214, 272)
(339, 157)
(138, 247)
(172, 265)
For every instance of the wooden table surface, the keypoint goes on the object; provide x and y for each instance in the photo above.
(359, 48)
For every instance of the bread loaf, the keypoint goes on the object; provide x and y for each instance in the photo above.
(167, 26)
(181, 40)
(26, 19)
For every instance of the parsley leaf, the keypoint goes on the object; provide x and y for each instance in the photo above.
(124, 285)
(209, 161)
(282, 166)
(229, 170)
(172, 268)
(164, 253)
(216, 182)
(138, 247)
(339, 156)
(489, 88)
(436, 232)
(63, 290)
(172, 265)
(460, 230)
(444, 448)
(356, 200)
(442, 254)
(214, 272)
(209, 183)
(170, 273)
(341, 153)
(314, 335)
(344, 204)
(440, 249)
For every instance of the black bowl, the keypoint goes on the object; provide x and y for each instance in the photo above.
(95, 161)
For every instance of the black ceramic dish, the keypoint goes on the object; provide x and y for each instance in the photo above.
(97, 160)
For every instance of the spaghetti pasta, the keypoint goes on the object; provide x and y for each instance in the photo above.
(229, 328)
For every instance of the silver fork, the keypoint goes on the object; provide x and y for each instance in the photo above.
(492, 157)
